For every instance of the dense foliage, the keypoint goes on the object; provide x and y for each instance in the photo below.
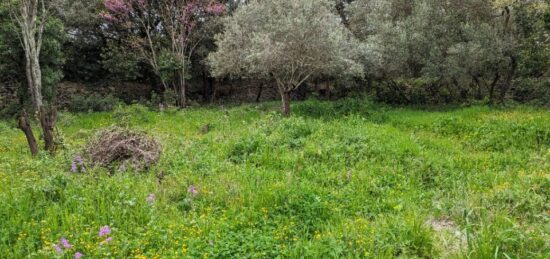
(470, 49)
(410, 52)
(12, 67)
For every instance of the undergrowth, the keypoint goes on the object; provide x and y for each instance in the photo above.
(337, 179)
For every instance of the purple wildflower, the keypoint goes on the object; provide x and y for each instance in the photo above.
(78, 159)
(105, 230)
(77, 165)
(65, 243)
(151, 198)
(73, 167)
(57, 248)
(193, 190)
(78, 255)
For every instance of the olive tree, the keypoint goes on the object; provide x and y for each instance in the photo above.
(287, 41)
(455, 43)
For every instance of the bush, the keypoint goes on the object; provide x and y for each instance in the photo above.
(420, 92)
(170, 97)
(10, 110)
(534, 91)
(93, 103)
(124, 115)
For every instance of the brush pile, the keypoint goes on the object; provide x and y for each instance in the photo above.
(122, 149)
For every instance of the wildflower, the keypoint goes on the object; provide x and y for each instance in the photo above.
(78, 255)
(105, 230)
(57, 248)
(78, 159)
(77, 165)
(193, 190)
(73, 167)
(151, 198)
(65, 243)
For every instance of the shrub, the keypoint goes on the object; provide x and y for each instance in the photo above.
(93, 103)
(170, 97)
(123, 115)
(10, 110)
(420, 92)
(533, 91)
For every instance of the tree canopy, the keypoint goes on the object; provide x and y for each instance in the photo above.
(287, 41)
(397, 51)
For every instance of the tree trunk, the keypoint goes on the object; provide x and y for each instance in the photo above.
(327, 92)
(259, 95)
(183, 96)
(157, 86)
(37, 76)
(31, 38)
(183, 92)
(47, 122)
(507, 84)
(25, 126)
(285, 95)
(205, 87)
(369, 83)
(214, 85)
(476, 82)
(33, 73)
(492, 89)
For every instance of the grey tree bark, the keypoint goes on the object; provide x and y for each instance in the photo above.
(30, 16)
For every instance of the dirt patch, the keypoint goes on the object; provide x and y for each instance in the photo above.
(450, 238)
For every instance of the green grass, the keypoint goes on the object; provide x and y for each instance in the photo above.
(337, 179)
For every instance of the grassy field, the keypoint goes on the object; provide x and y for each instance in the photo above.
(337, 179)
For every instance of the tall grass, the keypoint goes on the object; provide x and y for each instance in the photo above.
(337, 179)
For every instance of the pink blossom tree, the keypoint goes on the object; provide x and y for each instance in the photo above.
(162, 31)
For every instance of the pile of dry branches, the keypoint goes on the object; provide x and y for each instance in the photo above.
(122, 149)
